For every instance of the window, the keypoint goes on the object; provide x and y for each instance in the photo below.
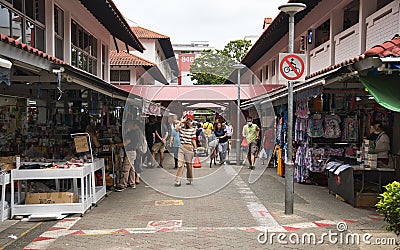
(322, 33)
(59, 32)
(351, 13)
(273, 68)
(24, 20)
(266, 72)
(120, 76)
(83, 49)
(261, 75)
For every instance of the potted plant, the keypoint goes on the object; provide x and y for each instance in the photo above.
(389, 206)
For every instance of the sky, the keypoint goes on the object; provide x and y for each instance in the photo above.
(215, 21)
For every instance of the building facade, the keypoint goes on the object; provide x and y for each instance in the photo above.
(185, 55)
(328, 32)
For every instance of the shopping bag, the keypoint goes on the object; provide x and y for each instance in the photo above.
(213, 143)
(196, 163)
(244, 142)
(263, 154)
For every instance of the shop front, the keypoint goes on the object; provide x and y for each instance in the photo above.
(346, 130)
(58, 128)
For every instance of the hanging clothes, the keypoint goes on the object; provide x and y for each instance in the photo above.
(315, 159)
(332, 126)
(302, 110)
(301, 173)
(315, 126)
(350, 129)
(300, 133)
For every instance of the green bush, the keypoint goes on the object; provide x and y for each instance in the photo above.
(389, 206)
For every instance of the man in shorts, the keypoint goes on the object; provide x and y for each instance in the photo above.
(251, 133)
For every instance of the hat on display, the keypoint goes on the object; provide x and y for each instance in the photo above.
(189, 114)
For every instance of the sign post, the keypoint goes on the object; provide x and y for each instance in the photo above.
(291, 69)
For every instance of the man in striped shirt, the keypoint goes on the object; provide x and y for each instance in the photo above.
(188, 145)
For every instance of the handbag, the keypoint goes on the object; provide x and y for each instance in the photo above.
(244, 142)
(196, 163)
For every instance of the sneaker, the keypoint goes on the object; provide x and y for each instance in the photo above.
(119, 189)
(189, 183)
(177, 184)
(160, 166)
(133, 186)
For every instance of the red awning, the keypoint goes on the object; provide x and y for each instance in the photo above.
(198, 92)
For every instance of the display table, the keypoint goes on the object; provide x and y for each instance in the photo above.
(98, 191)
(5, 211)
(355, 182)
(81, 174)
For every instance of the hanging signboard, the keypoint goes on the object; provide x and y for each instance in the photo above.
(81, 144)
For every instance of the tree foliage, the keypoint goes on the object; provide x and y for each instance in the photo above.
(236, 49)
(215, 66)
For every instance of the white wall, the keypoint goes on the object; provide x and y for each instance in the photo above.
(150, 52)
(73, 9)
(379, 27)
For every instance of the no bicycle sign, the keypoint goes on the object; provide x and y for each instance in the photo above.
(292, 67)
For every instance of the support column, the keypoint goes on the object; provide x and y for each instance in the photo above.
(367, 7)
(336, 26)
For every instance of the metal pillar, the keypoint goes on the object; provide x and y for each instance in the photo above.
(238, 130)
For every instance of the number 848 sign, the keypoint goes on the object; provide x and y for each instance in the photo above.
(292, 67)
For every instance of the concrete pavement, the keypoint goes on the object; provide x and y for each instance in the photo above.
(233, 217)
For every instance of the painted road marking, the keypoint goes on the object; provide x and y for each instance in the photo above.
(61, 228)
(259, 212)
(169, 203)
(165, 224)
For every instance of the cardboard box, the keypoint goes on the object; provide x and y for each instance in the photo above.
(51, 198)
(8, 159)
(366, 200)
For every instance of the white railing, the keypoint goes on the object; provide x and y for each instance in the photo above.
(320, 57)
(383, 24)
(347, 44)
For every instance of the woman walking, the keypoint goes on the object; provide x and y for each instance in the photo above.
(188, 145)
(220, 133)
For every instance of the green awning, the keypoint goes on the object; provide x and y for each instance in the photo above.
(385, 89)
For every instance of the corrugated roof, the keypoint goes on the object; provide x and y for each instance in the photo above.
(123, 58)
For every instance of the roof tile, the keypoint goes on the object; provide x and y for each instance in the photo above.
(23, 46)
(141, 32)
(123, 58)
